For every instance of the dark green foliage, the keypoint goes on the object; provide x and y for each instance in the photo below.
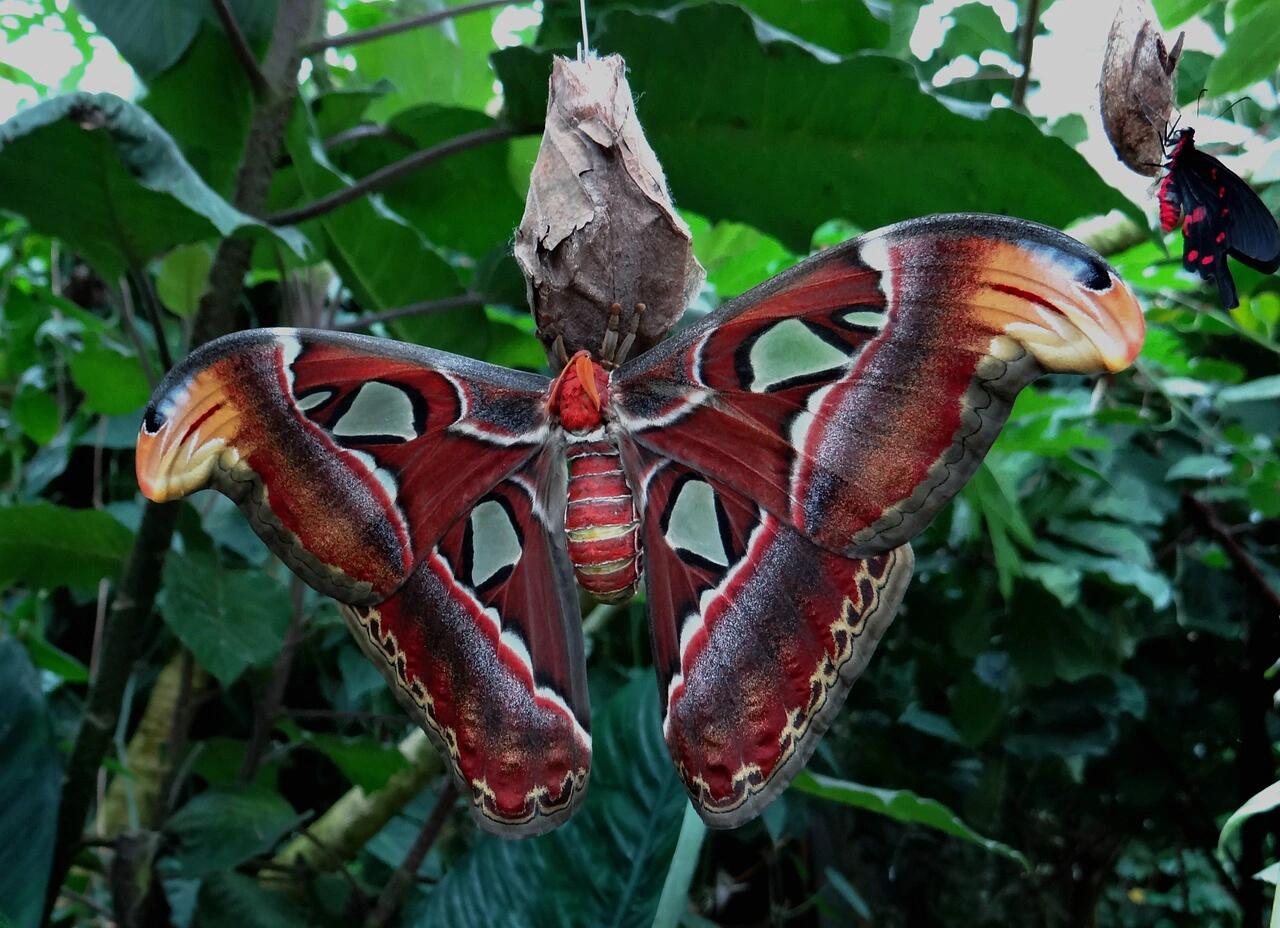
(1083, 675)
(29, 786)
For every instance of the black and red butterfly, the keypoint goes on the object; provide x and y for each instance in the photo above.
(763, 470)
(1221, 216)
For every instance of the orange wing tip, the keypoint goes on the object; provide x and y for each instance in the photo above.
(185, 435)
(1068, 325)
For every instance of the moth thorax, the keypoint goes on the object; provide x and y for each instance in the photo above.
(578, 396)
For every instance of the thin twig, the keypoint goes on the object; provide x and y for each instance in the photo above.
(425, 308)
(1206, 519)
(369, 131)
(403, 25)
(267, 709)
(129, 319)
(393, 172)
(240, 46)
(1030, 25)
(406, 875)
(151, 305)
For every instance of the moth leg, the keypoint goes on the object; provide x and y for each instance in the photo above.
(609, 344)
(559, 355)
(625, 348)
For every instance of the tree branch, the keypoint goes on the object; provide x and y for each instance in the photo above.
(405, 876)
(130, 620)
(393, 172)
(369, 131)
(294, 21)
(349, 824)
(126, 629)
(426, 307)
(1030, 24)
(403, 25)
(1207, 522)
(240, 46)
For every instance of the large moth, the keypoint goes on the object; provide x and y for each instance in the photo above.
(761, 472)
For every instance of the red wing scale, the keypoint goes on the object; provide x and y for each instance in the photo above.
(758, 634)
(483, 646)
(418, 489)
(855, 394)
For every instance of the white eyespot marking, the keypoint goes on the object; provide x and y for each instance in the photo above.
(495, 544)
(789, 350)
(864, 319)
(802, 422)
(380, 474)
(379, 410)
(693, 525)
(290, 349)
(312, 400)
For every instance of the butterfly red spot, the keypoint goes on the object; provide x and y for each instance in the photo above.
(1220, 237)
(1206, 260)
(1192, 255)
(1222, 191)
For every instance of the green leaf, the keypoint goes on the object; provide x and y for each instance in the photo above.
(101, 174)
(902, 805)
(234, 900)
(1252, 52)
(466, 201)
(365, 762)
(1264, 388)
(759, 130)
(36, 412)
(1264, 801)
(205, 102)
(47, 657)
(150, 34)
(607, 864)
(30, 787)
(113, 383)
(1175, 12)
(45, 546)
(183, 276)
(1199, 467)
(225, 826)
(975, 28)
(230, 619)
(438, 64)
(674, 901)
(383, 260)
(843, 28)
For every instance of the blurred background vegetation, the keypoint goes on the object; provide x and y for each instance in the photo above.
(1080, 688)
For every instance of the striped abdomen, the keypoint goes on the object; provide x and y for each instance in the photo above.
(601, 521)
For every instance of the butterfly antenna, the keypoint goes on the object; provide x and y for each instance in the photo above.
(1232, 106)
(584, 50)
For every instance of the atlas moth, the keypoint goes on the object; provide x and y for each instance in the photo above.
(761, 472)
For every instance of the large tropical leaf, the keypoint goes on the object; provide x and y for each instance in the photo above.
(44, 546)
(607, 865)
(101, 174)
(30, 782)
(754, 127)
